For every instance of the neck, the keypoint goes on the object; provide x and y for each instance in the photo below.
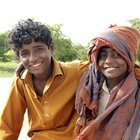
(44, 77)
(112, 83)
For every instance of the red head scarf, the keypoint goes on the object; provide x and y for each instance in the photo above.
(123, 39)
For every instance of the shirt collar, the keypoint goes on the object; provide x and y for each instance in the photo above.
(104, 87)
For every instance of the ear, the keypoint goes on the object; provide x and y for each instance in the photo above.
(51, 47)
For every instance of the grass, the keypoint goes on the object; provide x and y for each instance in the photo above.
(7, 69)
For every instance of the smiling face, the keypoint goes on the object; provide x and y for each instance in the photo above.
(111, 64)
(36, 58)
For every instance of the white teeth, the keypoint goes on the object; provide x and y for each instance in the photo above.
(112, 68)
(36, 65)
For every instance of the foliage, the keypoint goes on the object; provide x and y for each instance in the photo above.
(7, 69)
(136, 24)
(4, 47)
(10, 56)
(64, 48)
(81, 52)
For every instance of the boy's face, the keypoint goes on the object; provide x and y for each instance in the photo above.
(36, 57)
(111, 64)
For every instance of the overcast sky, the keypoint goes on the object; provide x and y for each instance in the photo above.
(81, 19)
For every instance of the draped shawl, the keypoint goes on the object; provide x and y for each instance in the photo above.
(121, 118)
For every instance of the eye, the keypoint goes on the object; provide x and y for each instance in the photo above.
(102, 55)
(40, 49)
(24, 54)
(116, 55)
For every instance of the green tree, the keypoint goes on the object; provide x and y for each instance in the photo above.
(136, 24)
(4, 47)
(65, 50)
(81, 52)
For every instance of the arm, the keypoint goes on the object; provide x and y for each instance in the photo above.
(11, 118)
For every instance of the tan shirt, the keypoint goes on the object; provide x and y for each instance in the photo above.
(104, 97)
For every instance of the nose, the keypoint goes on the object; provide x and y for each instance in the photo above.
(33, 57)
(109, 59)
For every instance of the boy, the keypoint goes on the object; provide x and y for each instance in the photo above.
(46, 88)
(108, 96)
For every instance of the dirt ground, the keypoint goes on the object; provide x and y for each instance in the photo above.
(4, 87)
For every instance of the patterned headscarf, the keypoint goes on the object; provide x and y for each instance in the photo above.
(123, 39)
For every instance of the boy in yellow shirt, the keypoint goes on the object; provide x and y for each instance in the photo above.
(46, 88)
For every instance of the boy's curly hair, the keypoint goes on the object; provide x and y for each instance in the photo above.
(26, 31)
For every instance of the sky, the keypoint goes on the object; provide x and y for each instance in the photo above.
(81, 19)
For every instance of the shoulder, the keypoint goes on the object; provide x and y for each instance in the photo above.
(73, 64)
(76, 66)
(17, 81)
(25, 78)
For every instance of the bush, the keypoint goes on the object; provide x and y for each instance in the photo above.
(7, 69)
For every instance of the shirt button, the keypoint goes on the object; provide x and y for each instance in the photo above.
(47, 115)
(45, 102)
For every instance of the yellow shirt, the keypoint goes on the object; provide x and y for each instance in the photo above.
(51, 118)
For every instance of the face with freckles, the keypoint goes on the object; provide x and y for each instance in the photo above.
(111, 64)
(36, 57)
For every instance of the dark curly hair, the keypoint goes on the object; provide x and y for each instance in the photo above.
(26, 31)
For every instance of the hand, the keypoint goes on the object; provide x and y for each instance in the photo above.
(80, 125)
(19, 70)
(78, 129)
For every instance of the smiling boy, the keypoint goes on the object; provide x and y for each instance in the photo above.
(108, 97)
(46, 88)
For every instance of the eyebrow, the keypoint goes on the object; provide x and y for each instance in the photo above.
(37, 46)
